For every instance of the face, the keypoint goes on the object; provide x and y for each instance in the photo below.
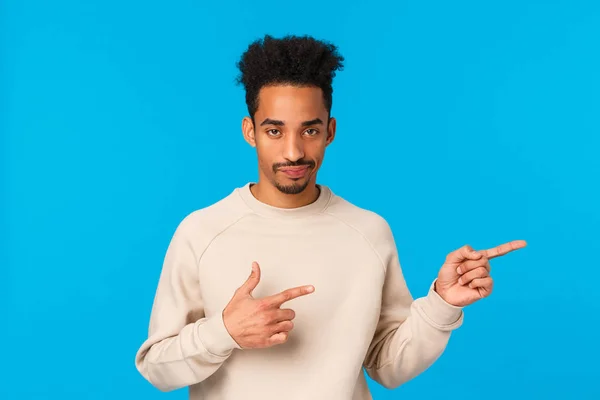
(290, 134)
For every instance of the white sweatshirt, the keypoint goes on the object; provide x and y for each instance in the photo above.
(360, 318)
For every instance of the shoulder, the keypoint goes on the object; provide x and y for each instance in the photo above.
(364, 220)
(371, 225)
(201, 226)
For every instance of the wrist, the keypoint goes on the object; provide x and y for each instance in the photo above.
(439, 289)
(439, 313)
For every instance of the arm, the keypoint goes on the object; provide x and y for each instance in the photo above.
(183, 347)
(411, 334)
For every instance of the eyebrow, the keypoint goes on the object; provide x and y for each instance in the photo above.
(277, 122)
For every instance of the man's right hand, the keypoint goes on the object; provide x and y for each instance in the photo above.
(259, 323)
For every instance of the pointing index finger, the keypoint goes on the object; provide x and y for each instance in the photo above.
(503, 249)
(278, 299)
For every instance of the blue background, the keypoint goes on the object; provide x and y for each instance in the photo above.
(461, 122)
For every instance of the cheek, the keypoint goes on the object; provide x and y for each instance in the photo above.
(317, 154)
(265, 162)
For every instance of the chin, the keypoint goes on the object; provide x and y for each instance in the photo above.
(292, 186)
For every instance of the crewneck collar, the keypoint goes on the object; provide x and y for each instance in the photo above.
(267, 210)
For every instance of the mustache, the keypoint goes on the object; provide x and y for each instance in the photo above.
(298, 163)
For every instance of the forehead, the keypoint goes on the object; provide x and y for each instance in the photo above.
(290, 103)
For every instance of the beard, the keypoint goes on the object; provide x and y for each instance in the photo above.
(294, 188)
(298, 186)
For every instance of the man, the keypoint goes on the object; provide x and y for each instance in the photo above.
(283, 289)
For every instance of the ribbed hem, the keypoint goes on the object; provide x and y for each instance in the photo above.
(215, 337)
(440, 313)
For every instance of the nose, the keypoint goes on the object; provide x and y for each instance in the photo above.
(293, 148)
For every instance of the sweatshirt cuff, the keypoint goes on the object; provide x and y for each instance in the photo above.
(215, 337)
(440, 313)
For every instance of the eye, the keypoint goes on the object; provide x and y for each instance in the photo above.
(311, 132)
(273, 132)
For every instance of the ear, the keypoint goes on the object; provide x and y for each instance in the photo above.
(248, 131)
(330, 131)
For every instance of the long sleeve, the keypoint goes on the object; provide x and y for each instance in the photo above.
(183, 347)
(411, 334)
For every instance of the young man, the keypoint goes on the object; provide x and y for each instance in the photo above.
(283, 289)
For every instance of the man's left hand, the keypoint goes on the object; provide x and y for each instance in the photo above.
(465, 276)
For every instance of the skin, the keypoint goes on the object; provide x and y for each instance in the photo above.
(292, 128)
(258, 323)
(465, 278)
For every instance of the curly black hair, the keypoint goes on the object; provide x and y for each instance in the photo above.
(295, 60)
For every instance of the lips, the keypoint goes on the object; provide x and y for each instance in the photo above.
(295, 172)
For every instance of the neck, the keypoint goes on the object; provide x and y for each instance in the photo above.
(270, 195)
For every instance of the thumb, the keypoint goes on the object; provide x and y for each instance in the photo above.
(252, 280)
